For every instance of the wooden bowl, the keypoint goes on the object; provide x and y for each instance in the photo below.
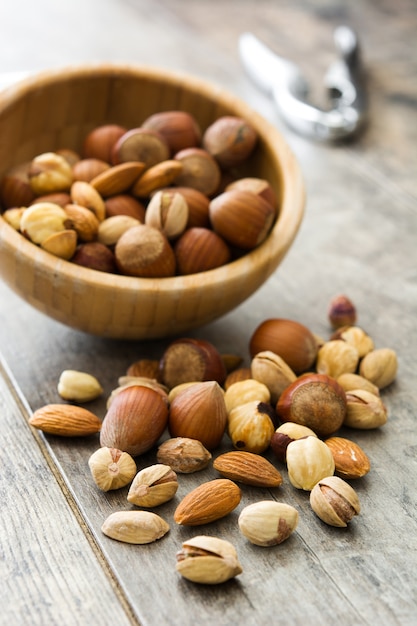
(55, 110)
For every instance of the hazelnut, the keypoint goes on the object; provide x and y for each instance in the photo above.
(258, 186)
(139, 144)
(289, 339)
(230, 140)
(124, 204)
(245, 391)
(341, 312)
(49, 172)
(147, 368)
(284, 434)
(191, 360)
(198, 205)
(199, 412)
(96, 256)
(337, 357)
(356, 337)
(179, 129)
(200, 250)
(308, 461)
(199, 170)
(145, 251)
(334, 501)
(242, 218)
(251, 425)
(15, 188)
(99, 142)
(379, 367)
(135, 420)
(316, 401)
(62, 198)
(242, 373)
(41, 220)
(87, 169)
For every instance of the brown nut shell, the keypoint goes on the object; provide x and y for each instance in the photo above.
(199, 412)
(292, 341)
(316, 401)
(241, 217)
(135, 420)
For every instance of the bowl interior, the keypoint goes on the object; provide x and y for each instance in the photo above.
(56, 110)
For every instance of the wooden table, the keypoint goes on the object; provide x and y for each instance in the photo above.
(358, 237)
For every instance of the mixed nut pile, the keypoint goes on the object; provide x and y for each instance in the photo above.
(160, 200)
(293, 398)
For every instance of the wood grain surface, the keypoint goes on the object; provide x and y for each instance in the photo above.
(358, 237)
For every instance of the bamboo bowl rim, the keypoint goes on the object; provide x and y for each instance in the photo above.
(264, 259)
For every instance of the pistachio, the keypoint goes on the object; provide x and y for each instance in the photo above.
(337, 357)
(111, 468)
(208, 560)
(308, 461)
(13, 217)
(334, 501)
(380, 367)
(168, 212)
(78, 386)
(348, 382)
(365, 410)
(62, 244)
(271, 369)
(153, 485)
(268, 523)
(245, 391)
(184, 455)
(138, 527)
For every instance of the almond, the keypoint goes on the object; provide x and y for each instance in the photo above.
(65, 420)
(248, 468)
(208, 502)
(117, 179)
(349, 458)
